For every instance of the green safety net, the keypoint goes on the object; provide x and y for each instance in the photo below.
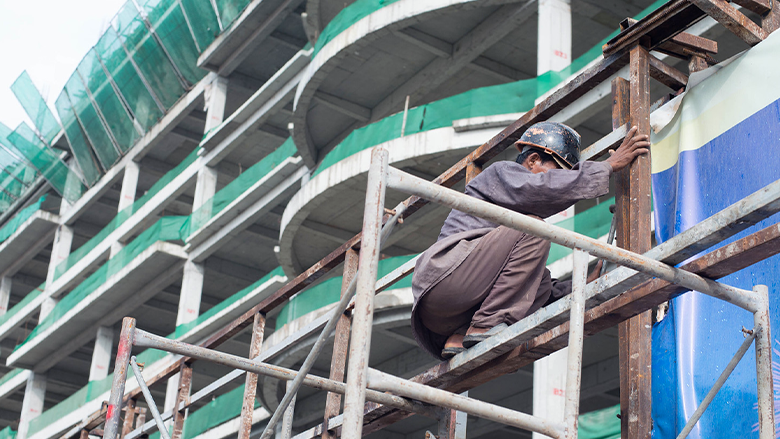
(203, 22)
(238, 186)
(169, 23)
(10, 374)
(107, 101)
(148, 55)
(79, 145)
(132, 88)
(35, 107)
(600, 424)
(214, 310)
(512, 97)
(229, 10)
(82, 396)
(594, 222)
(166, 229)
(329, 291)
(123, 215)
(32, 295)
(46, 161)
(7, 433)
(17, 220)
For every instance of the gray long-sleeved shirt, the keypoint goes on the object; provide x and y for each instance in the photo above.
(513, 186)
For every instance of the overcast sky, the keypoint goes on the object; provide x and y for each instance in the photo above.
(48, 38)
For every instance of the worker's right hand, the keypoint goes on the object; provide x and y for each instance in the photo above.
(632, 147)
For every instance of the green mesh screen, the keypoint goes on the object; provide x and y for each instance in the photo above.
(17, 220)
(346, 18)
(203, 21)
(119, 122)
(166, 229)
(229, 10)
(600, 424)
(329, 291)
(169, 23)
(7, 432)
(183, 328)
(148, 55)
(216, 412)
(123, 215)
(24, 302)
(101, 142)
(224, 197)
(71, 403)
(131, 85)
(35, 107)
(10, 374)
(594, 222)
(46, 161)
(79, 145)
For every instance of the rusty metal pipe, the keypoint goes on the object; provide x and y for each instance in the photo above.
(442, 398)
(148, 340)
(363, 315)
(571, 408)
(125, 347)
(149, 400)
(413, 185)
(764, 381)
(716, 387)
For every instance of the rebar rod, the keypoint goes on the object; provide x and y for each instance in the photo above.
(576, 336)
(149, 400)
(442, 398)
(408, 183)
(148, 340)
(718, 384)
(308, 363)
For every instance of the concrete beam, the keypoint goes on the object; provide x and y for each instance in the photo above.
(280, 134)
(425, 41)
(500, 71)
(343, 106)
(232, 269)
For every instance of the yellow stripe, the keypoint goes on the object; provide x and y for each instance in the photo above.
(720, 102)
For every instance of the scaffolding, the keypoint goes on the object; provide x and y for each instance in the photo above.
(646, 277)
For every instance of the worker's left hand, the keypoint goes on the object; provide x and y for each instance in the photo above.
(596, 271)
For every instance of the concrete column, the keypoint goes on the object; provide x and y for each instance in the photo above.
(63, 239)
(101, 354)
(554, 38)
(32, 404)
(127, 195)
(5, 293)
(549, 385)
(216, 96)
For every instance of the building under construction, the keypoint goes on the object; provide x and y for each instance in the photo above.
(217, 179)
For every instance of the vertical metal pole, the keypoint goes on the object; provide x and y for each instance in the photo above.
(287, 419)
(124, 349)
(452, 424)
(766, 412)
(250, 386)
(185, 384)
(633, 233)
(571, 408)
(338, 362)
(127, 426)
(363, 315)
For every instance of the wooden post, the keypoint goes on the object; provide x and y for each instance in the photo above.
(472, 170)
(696, 64)
(631, 103)
(185, 384)
(338, 362)
(127, 426)
(452, 424)
(771, 21)
(250, 386)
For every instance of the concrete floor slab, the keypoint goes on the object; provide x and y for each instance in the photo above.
(30, 238)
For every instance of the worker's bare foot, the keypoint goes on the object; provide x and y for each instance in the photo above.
(453, 346)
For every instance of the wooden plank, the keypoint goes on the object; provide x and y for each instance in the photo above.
(185, 385)
(250, 381)
(666, 74)
(734, 20)
(760, 7)
(634, 233)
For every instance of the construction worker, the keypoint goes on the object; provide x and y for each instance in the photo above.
(479, 277)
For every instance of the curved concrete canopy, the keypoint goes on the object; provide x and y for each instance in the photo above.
(427, 51)
(392, 310)
(337, 194)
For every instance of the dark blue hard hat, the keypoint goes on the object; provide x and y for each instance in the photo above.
(556, 139)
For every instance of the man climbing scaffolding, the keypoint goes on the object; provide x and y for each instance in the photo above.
(479, 277)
